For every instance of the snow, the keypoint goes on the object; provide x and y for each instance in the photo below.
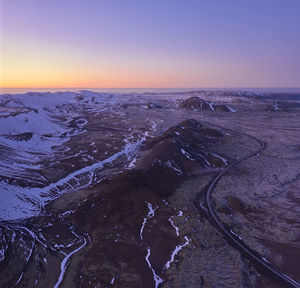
(156, 278)
(150, 214)
(132, 163)
(151, 210)
(40, 114)
(186, 154)
(230, 108)
(44, 118)
(67, 213)
(218, 156)
(2, 254)
(265, 260)
(204, 159)
(202, 206)
(18, 281)
(165, 201)
(34, 237)
(64, 263)
(154, 126)
(175, 252)
(171, 164)
(14, 204)
(276, 107)
(142, 228)
(174, 226)
(235, 234)
(81, 122)
(211, 106)
(23, 155)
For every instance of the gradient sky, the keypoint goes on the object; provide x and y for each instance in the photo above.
(157, 43)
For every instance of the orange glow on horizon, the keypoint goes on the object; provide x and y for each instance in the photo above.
(86, 44)
(47, 66)
(31, 63)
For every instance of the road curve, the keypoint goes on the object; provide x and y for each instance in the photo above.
(235, 241)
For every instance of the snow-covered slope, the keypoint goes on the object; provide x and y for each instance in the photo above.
(33, 130)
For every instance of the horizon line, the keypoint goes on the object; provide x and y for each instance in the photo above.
(208, 87)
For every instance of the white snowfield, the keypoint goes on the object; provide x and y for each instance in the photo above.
(31, 125)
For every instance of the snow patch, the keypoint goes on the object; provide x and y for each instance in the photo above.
(276, 107)
(156, 278)
(64, 264)
(186, 154)
(171, 164)
(22, 202)
(132, 163)
(211, 106)
(175, 252)
(230, 108)
(174, 226)
(235, 234)
(150, 214)
(220, 157)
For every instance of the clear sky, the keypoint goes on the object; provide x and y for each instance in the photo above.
(149, 43)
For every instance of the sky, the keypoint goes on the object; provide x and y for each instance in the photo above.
(153, 44)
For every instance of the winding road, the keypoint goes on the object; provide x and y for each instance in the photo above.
(234, 240)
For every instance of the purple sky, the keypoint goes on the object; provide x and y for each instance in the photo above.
(157, 43)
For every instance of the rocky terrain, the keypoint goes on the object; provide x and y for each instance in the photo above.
(110, 190)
